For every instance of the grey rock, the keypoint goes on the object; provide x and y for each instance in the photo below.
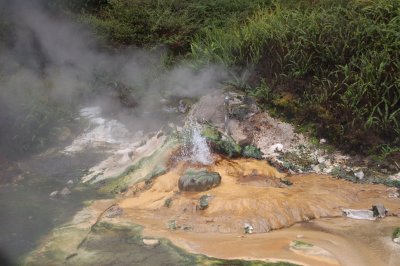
(203, 202)
(70, 182)
(379, 210)
(114, 211)
(65, 192)
(236, 131)
(198, 180)
(210, 108)
(393, 192)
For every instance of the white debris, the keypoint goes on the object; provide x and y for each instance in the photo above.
(359, 175)
(322, 141)
(359, 214)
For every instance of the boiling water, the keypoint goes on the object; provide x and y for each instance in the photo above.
(196, 148)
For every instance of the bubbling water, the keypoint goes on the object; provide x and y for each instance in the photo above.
(196, 148)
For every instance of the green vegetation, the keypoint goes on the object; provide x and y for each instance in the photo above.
(297, 244)
(335, 64)
(396, 233)
(146, 23)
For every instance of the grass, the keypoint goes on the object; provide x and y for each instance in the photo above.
(335, 64)
(170, 23)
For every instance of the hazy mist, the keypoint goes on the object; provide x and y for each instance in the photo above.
(50, 60)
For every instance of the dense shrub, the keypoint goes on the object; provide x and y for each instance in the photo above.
(169, 22)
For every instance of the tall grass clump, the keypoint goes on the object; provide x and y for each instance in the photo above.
(335, 64)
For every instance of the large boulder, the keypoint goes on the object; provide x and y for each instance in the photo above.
(214, 107)
(198, 180)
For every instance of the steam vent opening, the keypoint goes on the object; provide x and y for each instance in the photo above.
(199, 133)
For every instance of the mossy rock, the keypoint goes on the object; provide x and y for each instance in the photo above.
(228, 147)
(211, 133)
(198, 180)
(251, 151)
(221, 143)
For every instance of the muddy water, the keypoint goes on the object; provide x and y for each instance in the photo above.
(250, 192)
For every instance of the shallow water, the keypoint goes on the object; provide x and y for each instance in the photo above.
(26, 210)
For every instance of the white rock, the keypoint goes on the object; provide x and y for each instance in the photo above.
(396, 240)
(395, 176)
(70, 182)
(322, 141)
(328, 163)
(276, 147)
(359, 175)
(321, 159)
(315, 168)
(151, 242)
(53, 194)
(328, 170)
